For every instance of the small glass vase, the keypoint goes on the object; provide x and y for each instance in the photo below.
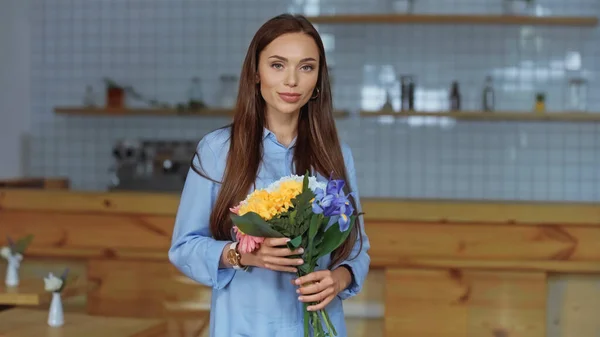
(55, 314)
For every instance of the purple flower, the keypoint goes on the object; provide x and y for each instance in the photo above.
(11, 244)
(334, 202)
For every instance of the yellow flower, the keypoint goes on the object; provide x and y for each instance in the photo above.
(273, 200)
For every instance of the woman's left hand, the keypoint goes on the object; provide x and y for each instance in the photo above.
(322, 286)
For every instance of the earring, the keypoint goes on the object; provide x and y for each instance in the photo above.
(317, 95)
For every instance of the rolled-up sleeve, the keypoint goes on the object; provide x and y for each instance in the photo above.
(359, 260)
(193, 249)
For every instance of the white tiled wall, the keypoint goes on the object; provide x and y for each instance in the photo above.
(158, 45)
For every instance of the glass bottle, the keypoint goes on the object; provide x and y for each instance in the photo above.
(228, 91)
(195, 101)
(455, 97)
(488, 95)
(402, 6)
(88, 99)
(577, 95)
(407, 93)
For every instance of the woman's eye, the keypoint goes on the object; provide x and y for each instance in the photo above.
(277, 66)
(308, 68)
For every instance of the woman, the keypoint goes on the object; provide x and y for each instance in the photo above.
(283, 125)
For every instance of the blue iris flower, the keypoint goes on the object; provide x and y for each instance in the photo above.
(334, 202)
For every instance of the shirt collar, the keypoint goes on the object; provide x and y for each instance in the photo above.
(269, 134)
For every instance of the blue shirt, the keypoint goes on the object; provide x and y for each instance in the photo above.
(259, 302)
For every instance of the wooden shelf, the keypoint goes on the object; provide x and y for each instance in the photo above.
(495, 116)
(122, 112)
(209, 112)
(463, 115)
(583, 21)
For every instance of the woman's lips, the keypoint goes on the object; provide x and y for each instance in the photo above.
(290, 97)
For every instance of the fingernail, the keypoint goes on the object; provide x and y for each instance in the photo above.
(297, 282)
(300, 262)
(297, 291)
(288, 240)
(300, 250)
(299, 298)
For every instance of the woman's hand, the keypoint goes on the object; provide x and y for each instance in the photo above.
(272, 256)
(322, 286)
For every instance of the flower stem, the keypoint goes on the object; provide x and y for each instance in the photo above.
(328, 324)
(317, 325)
(306, 321)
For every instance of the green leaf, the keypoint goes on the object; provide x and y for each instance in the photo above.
(23, 243)
(315, 223)
(302, 210)
(304, 269)
(282, 225)
(252, 224)
(333, 238)
(294, 243)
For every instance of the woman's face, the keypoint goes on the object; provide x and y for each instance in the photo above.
(288, 69)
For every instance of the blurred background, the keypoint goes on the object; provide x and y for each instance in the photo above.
(60, 57)
(454, 100)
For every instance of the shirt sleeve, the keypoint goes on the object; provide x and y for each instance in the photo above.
(359, 259)
(193, 249)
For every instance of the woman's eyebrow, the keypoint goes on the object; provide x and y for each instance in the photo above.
(306, 59)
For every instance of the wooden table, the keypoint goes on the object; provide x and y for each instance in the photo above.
(21, 322)
(32, 293)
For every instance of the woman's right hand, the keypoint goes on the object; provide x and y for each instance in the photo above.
(272, 254)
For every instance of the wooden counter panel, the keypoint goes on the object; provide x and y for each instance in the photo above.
(90, 231)
(456, 303)
(491, 246)
(90, 202)
(376, 209)
(483, 242)
(575, 313)
(30, 182)
(583, 267)
(449, 211)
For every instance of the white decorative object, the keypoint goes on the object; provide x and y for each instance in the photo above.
(12, 269)
(13, 254)
(55, 285)
(55, 315)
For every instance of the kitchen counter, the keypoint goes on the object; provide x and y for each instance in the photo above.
(375, 209)
(480, 268)
(525, 236)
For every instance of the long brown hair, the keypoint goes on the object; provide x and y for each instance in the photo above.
(317, 145)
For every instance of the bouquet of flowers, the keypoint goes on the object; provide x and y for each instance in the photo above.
(314, 215)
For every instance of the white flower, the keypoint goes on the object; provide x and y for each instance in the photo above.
(52, 283)
(5, 252)
(313, 183)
